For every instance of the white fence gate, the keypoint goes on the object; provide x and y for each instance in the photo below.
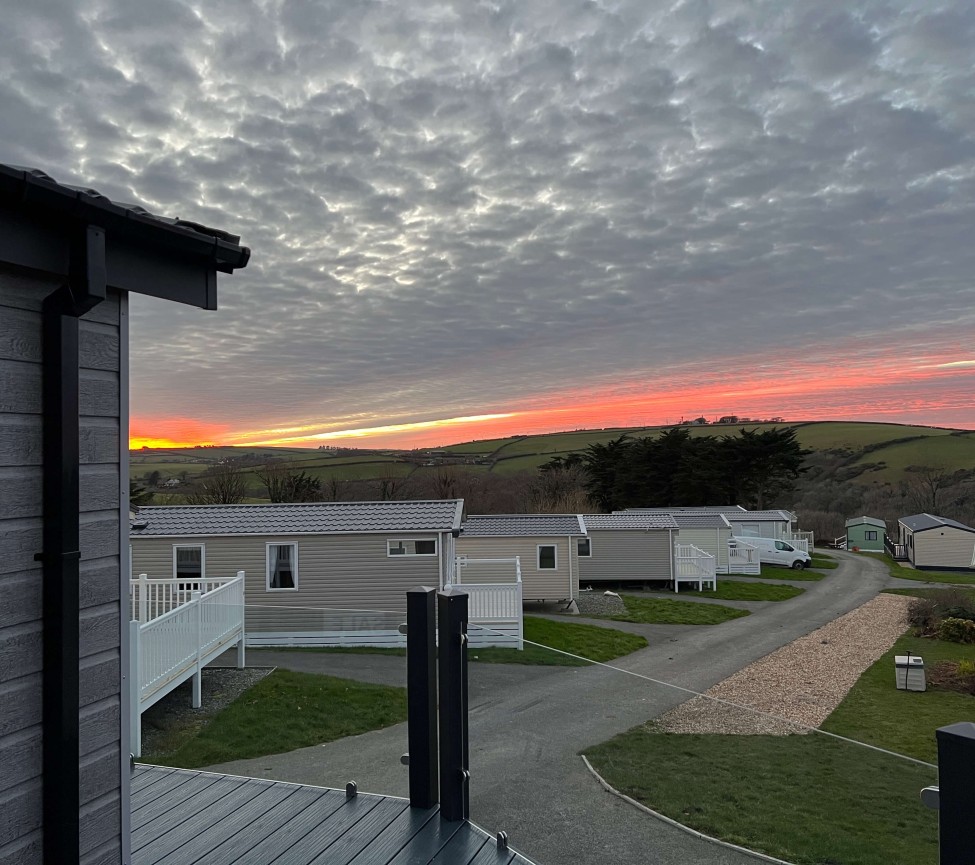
(191, 628)
(494, 609)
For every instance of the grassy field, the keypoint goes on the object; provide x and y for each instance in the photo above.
(282, 712)
(954, 451)
(557, 443)
(957, 577)
(664, 611)
(731, 590)
(805, 799)
(925, 592)
(834, 435)
(487, 446)
(775, 572)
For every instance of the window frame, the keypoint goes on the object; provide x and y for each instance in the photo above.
(588, 543)
(267, 566)
(408, 555)
(869, 535)
(555, 557)
(203, 562)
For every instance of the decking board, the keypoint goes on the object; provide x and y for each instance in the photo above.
(187, 817)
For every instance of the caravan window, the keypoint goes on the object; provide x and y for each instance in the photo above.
(188, 566)
(547, 557)
(282, 567)
(412, 547)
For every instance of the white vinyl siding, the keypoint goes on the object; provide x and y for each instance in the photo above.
(713, 541)
(560, 584)
(946, 547)
(620, 554)
(282, 567)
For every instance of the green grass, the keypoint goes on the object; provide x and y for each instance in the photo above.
(664, 611)
(775, 572)
(731, 590)
(809, 799)
(284, 711)
(856, 436)
(904, 721)
(938, 450)
(589, 641)
(922, 592)
(824, 562)
(959, 577)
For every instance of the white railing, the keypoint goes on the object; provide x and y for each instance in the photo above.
(802, 541)
(150, 599)
(743, 558)
(839, 543)
(167, 650)
(693, 565)
(494, 608)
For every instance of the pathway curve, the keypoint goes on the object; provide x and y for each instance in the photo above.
(528, 726)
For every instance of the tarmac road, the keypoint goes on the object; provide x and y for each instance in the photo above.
(528, 726)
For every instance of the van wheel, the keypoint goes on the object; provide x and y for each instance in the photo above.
(798, 565)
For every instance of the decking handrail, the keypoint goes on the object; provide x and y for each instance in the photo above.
(694, 565)
(151, 598)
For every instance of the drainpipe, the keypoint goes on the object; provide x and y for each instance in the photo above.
(61, 553)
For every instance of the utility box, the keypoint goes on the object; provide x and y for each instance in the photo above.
(909, 671)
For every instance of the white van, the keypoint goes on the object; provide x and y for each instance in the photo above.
(772, 551)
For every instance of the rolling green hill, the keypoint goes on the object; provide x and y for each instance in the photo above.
(870, 452)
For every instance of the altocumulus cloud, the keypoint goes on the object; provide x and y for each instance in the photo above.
(455, 207)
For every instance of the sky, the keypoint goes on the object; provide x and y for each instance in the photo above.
(476, 219)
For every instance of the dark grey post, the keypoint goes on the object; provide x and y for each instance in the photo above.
(956, 810)
(421, 689)
(452, 663)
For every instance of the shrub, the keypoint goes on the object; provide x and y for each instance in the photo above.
(966, 668)
(956, 604)
(957, 630)
(923, 614)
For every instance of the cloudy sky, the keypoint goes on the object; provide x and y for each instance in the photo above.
(479, 218)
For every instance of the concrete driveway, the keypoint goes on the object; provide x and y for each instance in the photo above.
(528, 726)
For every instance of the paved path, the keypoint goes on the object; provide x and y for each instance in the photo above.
(529, 724)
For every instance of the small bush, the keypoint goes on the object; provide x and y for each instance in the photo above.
(956, 604)
(966, 668)
(957, 630)
(923, 614)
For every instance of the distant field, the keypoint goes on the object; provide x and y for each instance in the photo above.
(488, 446)
(949, 451)
(563, 442)
(518, 464)
(832, 435)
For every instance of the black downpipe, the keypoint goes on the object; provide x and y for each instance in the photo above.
(61, 541)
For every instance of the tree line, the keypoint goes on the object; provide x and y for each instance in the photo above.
(676, 469)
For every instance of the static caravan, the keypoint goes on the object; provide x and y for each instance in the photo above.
(548, 547)
(316, 573)
(937, 543)
(705, 529)
(866, 533)
(624, 547)
(69, 258)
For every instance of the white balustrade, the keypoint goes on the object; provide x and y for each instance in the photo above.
(743, 558)
(167, 649)
(494, 606)
(694, 565)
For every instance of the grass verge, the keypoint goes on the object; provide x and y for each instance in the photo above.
(927, 592)
(806, 799)
(956, 577)
(664, 611)
(731, 590)
(824, 562)
(589, 641)
(774, 572)
(284, 711)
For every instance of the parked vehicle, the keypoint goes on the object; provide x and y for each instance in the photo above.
(775, 552)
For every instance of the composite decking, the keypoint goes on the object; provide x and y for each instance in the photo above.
(181, 816)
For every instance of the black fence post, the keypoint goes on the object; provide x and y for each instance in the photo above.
(452, 664)
(956, 808)
(421, 689)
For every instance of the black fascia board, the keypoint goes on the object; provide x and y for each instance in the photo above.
(144, 254)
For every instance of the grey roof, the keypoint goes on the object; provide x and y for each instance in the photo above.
(761, 516)
(923, 522)
(628, 521)
(689, 509)
(313, 518)
(33, 190)
(734, 513)
(521, 525)
(701, 521)
(868, 521)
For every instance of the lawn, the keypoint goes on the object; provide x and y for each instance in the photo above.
(664, 611)
(958, 577)
(284, 711)
(775, 572)
(904, 721)
(732, 590)
(806, 799)
(823, 562)
(923, 592)
(589, 641)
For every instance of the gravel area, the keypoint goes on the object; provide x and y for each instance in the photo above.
(802, 682)
(599, 604)
(219, 687)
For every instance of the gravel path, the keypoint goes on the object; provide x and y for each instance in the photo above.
(801, 683)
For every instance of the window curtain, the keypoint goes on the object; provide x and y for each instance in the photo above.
(282, 567)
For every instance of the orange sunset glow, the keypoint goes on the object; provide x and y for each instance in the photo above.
(871, 383)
